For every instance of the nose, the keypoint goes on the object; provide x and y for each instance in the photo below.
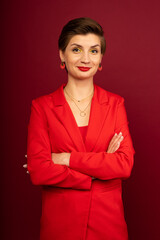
(85, 57)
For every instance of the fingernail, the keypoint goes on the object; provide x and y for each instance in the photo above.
(120, 133)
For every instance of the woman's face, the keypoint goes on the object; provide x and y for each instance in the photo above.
(82, 56)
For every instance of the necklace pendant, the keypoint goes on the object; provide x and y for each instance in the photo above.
(82, 114)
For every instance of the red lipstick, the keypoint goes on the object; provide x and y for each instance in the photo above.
(84, 69)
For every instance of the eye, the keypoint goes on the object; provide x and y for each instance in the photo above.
(94, 51)
(76, 50)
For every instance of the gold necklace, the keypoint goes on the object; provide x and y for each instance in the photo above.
(82, 112)
(75, 98)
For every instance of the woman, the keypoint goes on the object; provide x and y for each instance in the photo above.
(79, 146)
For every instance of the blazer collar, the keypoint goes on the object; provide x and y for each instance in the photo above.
(100, 95)
(98, 114)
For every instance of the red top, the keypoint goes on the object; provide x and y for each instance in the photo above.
(83, 130)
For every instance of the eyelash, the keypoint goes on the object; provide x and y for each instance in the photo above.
(79, 50)
(94, 50)
(76, 49)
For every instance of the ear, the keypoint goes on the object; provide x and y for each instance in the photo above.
(61, 55)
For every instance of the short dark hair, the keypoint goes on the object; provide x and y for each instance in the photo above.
(82, 26)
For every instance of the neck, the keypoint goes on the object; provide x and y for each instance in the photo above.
(80, 89)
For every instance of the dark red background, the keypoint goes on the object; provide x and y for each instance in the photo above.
(131, 68)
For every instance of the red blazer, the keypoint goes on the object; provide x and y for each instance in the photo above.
(75, 207)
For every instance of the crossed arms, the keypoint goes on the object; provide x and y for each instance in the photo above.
(76, 169)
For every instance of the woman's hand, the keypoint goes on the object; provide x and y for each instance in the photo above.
(61, 158)
(115, 143)
(25, 165)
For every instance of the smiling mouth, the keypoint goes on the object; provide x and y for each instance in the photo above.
(84, 69)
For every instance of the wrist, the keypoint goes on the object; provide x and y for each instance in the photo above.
(68, 158)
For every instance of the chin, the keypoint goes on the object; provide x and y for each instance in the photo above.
(86, 74)
(84, 77)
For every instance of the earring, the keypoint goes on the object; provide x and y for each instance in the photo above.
(62, 65)
(100, 67)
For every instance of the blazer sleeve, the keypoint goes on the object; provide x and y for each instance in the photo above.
(40, 165)
(103, 165)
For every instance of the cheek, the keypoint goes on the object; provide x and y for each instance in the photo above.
(72, 60)
(96, 60)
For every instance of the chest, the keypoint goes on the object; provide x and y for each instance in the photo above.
(81, 112)
(63, 128)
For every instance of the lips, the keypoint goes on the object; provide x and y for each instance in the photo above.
(84, 69)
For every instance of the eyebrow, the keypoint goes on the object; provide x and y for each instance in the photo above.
(97, 45)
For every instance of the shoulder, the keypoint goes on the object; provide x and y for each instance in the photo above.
(109, 96)
(44, 100)
(53, 99)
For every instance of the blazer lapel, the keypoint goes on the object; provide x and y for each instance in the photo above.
(66, 117)
(98, 114)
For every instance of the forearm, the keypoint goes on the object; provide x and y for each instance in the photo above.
(115, 163)
(102, 165)
(47, 173)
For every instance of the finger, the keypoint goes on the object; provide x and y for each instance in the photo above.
(111, 143)
(25, 155)
(27, 172)
(116, 146)
(116, 143)
(25, 165)
(113, 140)
(116, 138)
(119, 138)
